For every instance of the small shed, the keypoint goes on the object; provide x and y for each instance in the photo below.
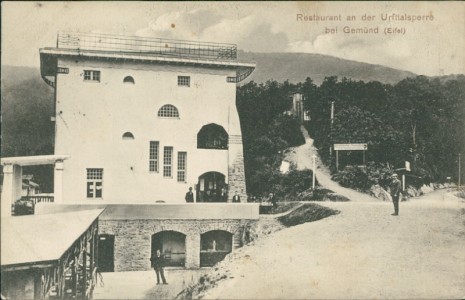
(50, 256)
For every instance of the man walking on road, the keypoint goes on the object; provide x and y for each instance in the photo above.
(158, 263)
(395, 189)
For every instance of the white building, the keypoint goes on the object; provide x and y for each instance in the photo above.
(138, 122)
(145, 119)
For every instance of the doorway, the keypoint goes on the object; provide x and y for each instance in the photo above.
(106, 255)
(212, 188)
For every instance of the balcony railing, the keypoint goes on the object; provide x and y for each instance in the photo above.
(37, 199)
(146, 45)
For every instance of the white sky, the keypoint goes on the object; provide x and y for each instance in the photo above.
(429, 47)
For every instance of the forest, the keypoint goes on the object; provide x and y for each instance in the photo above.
(420, 120)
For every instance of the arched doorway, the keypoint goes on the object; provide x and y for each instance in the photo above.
(214, 246)
(173, 246)
(212, 188)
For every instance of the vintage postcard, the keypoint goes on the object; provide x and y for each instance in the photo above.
(232, 150)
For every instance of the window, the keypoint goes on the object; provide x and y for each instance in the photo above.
(153, 159)
(184, 81)
(128, 79)
(94, 183)
(90, 75)
(212, 136)
(168, 111)
(167, 161)
(128, 136)
(182, 160)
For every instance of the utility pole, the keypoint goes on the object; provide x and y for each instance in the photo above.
(313, 171)
(460, 162)
(331, 127)
(332, 114)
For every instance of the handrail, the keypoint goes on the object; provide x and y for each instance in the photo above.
(147, 45)
(38, 199)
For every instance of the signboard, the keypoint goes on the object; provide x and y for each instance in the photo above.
(407, 166)
(350, 147)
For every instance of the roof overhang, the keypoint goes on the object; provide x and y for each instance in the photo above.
(33, 160)
(50, 54)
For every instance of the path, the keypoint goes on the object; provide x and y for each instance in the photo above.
(301, 155)
(361, 253)
(142, 284)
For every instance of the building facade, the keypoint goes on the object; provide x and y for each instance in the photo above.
(145, 124)
(141, 121)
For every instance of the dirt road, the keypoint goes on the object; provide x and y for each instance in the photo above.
(301, 156)
(362, 253)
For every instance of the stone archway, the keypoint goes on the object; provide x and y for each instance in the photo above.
(214, 246)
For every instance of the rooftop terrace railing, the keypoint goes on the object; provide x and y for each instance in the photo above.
(146, 45)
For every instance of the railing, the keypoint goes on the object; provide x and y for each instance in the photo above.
(146, 45)
(37, 199)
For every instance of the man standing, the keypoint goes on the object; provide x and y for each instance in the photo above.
(236, 198)
(395, 189)
(189, 196)
(273, 200)
(158, 263)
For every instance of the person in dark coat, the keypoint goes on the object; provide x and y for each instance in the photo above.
(189, 196)
(236, 198)
(158, 263)
(395, 189)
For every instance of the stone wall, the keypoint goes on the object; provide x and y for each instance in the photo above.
(237, 177)
(133, 239)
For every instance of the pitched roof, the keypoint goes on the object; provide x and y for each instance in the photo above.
(40, 238)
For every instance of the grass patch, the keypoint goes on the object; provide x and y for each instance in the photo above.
(284, 207)
(307, 213)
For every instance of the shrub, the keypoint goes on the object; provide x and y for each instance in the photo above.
(288, 186)
(363, 177)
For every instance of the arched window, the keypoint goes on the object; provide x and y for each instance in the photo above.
(212, 136)
(128, 136)
(168, 111)
(129, 79)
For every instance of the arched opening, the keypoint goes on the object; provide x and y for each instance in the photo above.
(168, 111)
(129, 79)
(212, 136)
(172, 245)
(214, 246)
(212, 188)
(128, 136)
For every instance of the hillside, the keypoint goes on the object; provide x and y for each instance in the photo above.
(27, 105)
(295, 67)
